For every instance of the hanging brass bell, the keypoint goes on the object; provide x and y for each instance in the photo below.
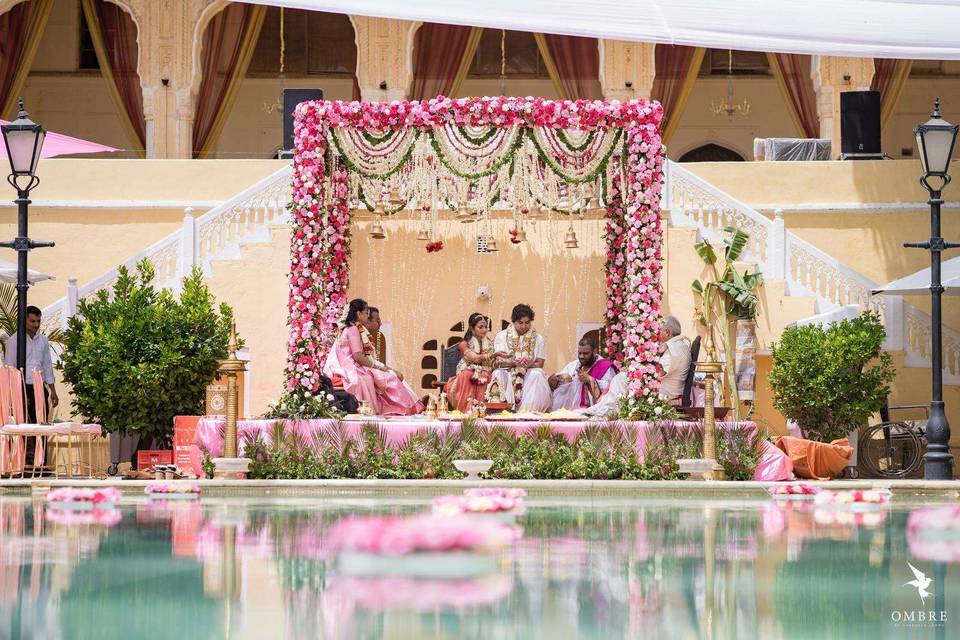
(521, 235)
(378, 208)
(395, 200)
(423, 234)
(376, 230)
(570, 240)
(491, 243)
(464, 214)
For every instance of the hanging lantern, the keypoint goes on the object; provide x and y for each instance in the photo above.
(423, 234)
(570, 240)
(376, 230)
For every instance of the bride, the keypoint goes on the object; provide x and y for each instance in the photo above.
(476, 365)
(365, 377)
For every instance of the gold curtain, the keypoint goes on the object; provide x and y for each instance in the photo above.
(673, 118)
(467, 61)
(247, 45)
(549, 64)
(106, 68)
(891, 97)
(38, 24)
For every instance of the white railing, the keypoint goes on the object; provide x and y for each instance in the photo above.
(216, 234)
(807, 270)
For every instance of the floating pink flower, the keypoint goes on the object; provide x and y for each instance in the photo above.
(418, 534)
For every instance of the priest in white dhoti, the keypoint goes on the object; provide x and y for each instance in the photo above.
(674, 358)
(582, 382)
(520, 376)
(608, 406)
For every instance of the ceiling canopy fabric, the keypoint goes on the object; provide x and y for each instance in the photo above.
(916, 29)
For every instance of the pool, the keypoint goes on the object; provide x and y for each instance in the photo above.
(585, 568)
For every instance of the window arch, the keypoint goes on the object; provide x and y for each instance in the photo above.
(711, 152)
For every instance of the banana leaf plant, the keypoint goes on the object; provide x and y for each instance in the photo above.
(727, 295)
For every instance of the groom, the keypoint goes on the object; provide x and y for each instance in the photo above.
(581, 383)
(521, 374)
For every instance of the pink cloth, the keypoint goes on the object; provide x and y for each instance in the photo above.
(383, 390)
(774, 465)
(209, 434)
(57, 144)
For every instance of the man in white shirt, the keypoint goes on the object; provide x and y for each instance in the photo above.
(520, 376)
(38, 357)
(608, 406)
(674, 358)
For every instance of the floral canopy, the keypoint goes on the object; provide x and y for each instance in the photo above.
(471, 156)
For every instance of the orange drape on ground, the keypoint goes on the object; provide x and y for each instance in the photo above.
(815, 460)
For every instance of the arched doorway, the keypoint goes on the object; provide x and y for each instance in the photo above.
(711, 153)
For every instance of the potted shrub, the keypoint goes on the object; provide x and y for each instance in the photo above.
(136, 357)
(823, 380)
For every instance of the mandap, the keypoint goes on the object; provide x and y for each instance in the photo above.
(466, 157)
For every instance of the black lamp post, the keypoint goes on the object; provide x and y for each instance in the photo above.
(24, 140)
(935, 139)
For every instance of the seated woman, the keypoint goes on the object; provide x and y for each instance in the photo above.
(473, 370)
(364, 377)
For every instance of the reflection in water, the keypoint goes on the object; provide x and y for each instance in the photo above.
(645, 569)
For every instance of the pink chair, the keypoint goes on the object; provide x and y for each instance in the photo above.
(19, 430)
(12, 450)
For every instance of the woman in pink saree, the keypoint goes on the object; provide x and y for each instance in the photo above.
(379, 385)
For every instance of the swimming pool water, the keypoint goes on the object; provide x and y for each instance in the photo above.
(603, 568)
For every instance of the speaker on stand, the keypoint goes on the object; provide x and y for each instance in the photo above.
(860, 125)
(291, 98)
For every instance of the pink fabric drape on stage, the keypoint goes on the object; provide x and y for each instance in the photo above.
(119, 33)
(577, 61)
(798, 86)
(437, 56)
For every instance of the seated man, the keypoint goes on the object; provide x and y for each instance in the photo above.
(674, 358)
(608, 406)
(369, 332)
(583, 381)
(520, 376)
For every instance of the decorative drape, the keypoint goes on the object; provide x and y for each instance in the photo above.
(792, 72)
(20, 31)
(889, 78)
(114, 35)
(677, 68)
(228, 45)
(573, 64)
(442, 55)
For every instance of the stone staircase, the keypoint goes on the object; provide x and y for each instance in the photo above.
(247, 236)
(805, 271)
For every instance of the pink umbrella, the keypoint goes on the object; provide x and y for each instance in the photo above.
(57, 144)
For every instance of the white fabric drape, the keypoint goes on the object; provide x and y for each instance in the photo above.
(919, 29)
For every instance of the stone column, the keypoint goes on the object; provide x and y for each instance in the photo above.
(831, 76)
(170, 34)
(627, 69)
(384, 57)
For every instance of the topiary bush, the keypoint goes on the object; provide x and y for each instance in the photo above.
(136, 357)
(821, 379)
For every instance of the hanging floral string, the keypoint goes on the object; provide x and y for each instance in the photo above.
(482, 153)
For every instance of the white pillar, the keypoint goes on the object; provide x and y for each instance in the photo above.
(188, 245)
(777, 248)
(72, 297)
(894, 322)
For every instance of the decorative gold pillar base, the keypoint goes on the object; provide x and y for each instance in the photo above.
(707, 467)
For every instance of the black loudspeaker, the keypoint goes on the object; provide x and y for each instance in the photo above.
(291, 98)
(860, 125)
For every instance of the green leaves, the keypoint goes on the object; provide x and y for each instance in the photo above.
(821, 380)
(706, 252)
(735, 242)
(139, 357)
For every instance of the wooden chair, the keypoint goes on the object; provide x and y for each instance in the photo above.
(449, 359)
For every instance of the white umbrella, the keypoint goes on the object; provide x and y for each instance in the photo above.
(8, 273)
(918, 284)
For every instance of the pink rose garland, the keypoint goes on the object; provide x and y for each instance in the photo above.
(320, 217)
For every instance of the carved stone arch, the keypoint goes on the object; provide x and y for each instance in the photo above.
(199, 29)
(724, 150)
(384, 53)
(133, 10)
